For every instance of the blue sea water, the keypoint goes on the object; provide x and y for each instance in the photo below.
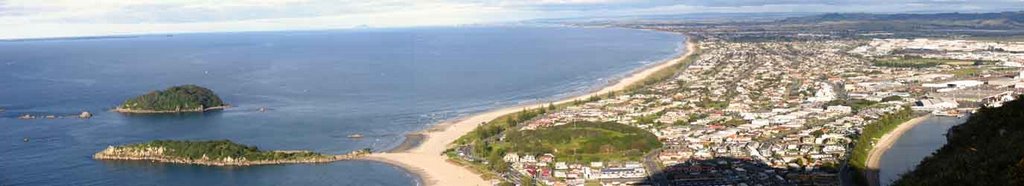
(319, 87)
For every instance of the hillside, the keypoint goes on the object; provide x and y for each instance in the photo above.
(584, 141)
(994, 21)
(185, 98)
(986, 150)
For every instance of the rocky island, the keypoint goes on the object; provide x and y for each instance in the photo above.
(177, 99)
(215, 153)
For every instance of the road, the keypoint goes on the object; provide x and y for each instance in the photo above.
(651, 165)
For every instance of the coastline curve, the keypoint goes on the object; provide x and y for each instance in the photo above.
(425, 158)
(875, 155)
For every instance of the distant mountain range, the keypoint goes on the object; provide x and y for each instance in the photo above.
(996, 21)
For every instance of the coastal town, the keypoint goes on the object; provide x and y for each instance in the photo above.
(776, 112)
(512, 93)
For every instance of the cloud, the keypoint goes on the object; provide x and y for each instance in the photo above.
(63, 18)
(69, 18)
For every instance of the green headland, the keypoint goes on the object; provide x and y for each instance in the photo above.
(216, 153)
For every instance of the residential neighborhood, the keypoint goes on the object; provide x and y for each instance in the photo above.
(779, 112)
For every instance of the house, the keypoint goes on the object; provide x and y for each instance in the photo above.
(528, 159)
(954, 84)
(547, 158)
(935, 104)
(560, 174)
(839, 109)
(622, 172)
(511, 158)
(561, 166)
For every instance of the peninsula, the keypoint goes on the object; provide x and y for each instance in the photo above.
(215, 153)
(177, 99)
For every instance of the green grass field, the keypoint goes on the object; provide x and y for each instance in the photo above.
(584, 142)
(965, 72)
(914, 62)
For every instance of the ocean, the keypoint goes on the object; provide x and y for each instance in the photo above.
(318, 88)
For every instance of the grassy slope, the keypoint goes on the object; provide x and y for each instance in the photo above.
(584, 142)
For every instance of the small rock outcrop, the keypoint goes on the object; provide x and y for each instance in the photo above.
(26, 117)
(85, 115)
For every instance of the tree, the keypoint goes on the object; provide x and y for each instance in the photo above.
(817, 133)
(185, 97)
(892, 98)
(528, 181)
(497, 164)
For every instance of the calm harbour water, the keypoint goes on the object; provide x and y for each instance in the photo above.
(319, 86)
(914, 145)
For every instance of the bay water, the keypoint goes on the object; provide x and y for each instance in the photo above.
(318, 87)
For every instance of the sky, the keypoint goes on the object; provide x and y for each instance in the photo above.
(21, 19)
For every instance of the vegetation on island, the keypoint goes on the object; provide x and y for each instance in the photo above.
(220, 149)
(870, 135)
(174, 99)
(988, 149)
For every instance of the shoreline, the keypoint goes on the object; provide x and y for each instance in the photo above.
(412, 140)
(875, 155)
(428, 162)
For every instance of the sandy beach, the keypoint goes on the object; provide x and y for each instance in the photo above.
(883, 145)
(427, 161)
